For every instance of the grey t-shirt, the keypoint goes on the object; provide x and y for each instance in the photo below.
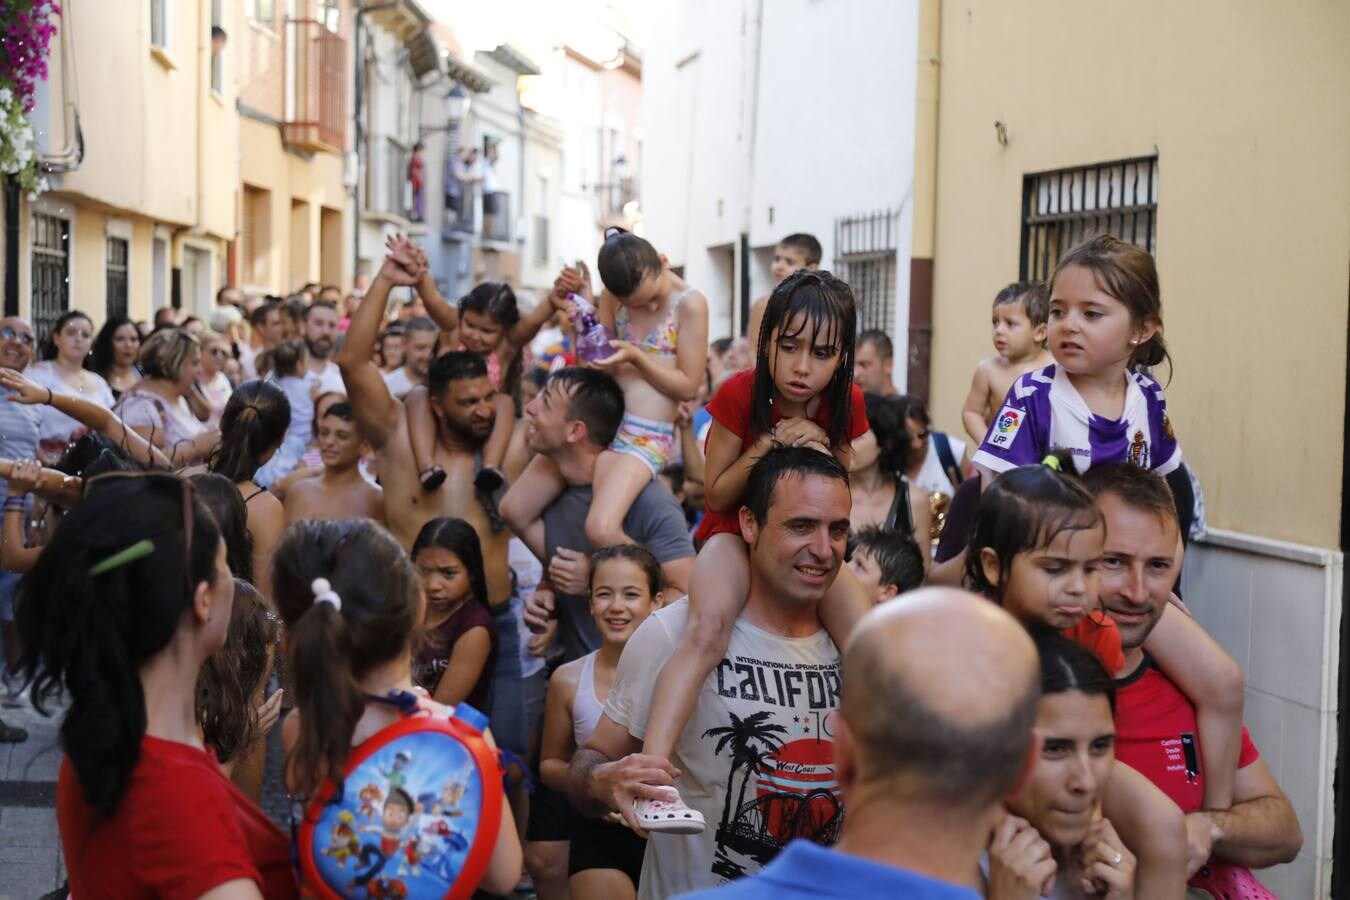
(655, 521)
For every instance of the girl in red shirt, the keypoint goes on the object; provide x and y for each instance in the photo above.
(123, 606)
(800, 394)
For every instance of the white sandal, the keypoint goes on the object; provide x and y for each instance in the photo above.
(668, 816)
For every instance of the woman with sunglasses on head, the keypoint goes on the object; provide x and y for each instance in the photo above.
(128, 600)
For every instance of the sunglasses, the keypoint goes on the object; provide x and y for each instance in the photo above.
(12, 334)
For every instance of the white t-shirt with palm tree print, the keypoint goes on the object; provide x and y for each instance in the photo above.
(756, 757)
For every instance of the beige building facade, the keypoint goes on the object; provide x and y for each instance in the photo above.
(1235, 169)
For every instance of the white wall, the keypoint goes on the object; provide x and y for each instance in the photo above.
(1276, 607)
(822, 128)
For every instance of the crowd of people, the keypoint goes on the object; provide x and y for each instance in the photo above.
(736, 617)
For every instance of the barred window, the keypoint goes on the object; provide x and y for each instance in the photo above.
(116, 277)
(1063, 207)
(50, 273)
(864, 256)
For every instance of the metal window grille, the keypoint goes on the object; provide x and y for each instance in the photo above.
(1064, 207)
(50, 271)
(864, 256)
(117, 276)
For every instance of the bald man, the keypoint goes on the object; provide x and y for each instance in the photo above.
(18, 440)
(939, 698)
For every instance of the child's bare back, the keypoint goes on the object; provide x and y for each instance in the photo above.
(994, 377)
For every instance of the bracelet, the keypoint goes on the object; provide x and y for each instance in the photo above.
(50, 397)
(13, 509)
(16, 501)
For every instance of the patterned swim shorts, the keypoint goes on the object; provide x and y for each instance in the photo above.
(647, 439)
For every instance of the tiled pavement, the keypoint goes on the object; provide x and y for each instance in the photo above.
(30, 851)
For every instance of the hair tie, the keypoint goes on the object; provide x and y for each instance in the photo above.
(138, 550)
(324, 593)
(1052, 461)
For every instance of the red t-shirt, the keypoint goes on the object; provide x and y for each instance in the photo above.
(1098, 632)
(181, 829)
(1156, 734)
(731, 407)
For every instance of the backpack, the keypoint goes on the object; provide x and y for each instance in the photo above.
(948, 459)
(416, 815)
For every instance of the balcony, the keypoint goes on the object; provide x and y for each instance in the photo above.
(612, 198)
(316, 87)
(497, 216)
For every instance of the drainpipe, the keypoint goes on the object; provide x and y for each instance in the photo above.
(69, 157)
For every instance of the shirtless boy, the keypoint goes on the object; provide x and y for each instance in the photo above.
(340, 492)
(796, 251)
(1019, 337)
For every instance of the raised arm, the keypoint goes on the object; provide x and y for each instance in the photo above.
(524, 330)
(375, 408)
(90, 415)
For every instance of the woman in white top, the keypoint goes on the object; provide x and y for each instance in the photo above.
(214, 383)
(1054, 841)
(605, 856)
(156, 409)
(289, 372)
(62, 371)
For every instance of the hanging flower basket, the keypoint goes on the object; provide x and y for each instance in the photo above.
(26, 30)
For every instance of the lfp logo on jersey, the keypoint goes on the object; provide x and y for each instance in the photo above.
(1006, 425)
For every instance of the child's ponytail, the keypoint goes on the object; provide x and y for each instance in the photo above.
(349, 598)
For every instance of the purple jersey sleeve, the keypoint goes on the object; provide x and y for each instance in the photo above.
(1165, 452)
(1020, 432)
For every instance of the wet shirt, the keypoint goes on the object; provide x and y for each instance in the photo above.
(433, 658)
(756, 756)
(1044, 411)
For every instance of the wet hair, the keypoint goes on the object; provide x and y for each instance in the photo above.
(457, 365)
(100, 359)
(460, 538)
(258, 318)
(1030, 295)
(253, 423)
(1126, 272)
(287, 358)
(806, 243)
(319, 304)
(897, 555)
(341, 409)
(230, 677)
(93, 454)
(825, 306)
(420, 323)
(492, 299)
(1024, 509)
(1136, 487)
(1067, 665)
(223, 499)
(780, 463)
(886, 415)
(537, 377)
(164, 353)
(47, 349)
(879, 341)
(86, 636)
(330, 649)
(593, 398)
(625, 260)
(636, 554)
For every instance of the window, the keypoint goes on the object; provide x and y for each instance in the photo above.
(218, 39)
(50, 274)
(159, 273)
(117, 276)
(1066, 206)
(262, 11)
(865, 251)
(159, 24)
(541, 240)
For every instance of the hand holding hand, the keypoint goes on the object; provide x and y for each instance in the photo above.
(1108, 866)
(1200, 838)
(798, 432)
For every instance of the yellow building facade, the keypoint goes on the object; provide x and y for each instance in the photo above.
(146, 211)
(1236, 116)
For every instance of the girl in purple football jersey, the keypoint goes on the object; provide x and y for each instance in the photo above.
(1098, 406)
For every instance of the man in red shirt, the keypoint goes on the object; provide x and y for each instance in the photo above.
(1155, 722)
